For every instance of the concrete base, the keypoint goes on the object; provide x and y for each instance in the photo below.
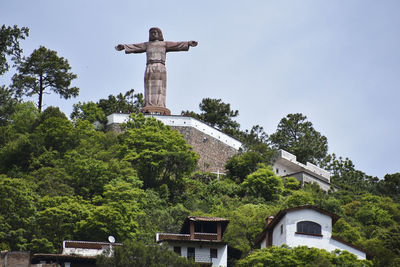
(155, 110)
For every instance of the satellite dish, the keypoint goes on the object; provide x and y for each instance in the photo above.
(111, 239)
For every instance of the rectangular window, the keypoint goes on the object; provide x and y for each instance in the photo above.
(281, 228)
(191, 253)
(177, 250)
(213, 253)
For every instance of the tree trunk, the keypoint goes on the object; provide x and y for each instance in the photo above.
(40, 93)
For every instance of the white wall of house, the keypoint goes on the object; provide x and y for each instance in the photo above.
(290, 238)
(279, 238)
(286, 164)
(202, 252)
(339, 245)
(82, 251)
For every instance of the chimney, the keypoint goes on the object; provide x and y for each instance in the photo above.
(269, 220)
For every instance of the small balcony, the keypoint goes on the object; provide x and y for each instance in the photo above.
(197, 236)
(168, 236)
(206, 236)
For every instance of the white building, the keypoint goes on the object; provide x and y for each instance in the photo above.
(286, 165)
(200, 239)
(74, 253)
(305, 226)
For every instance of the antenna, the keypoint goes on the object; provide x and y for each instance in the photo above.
(111, 239)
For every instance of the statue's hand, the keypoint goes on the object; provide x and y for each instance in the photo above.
(193, 43)
(119, 47)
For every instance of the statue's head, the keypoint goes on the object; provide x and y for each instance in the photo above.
(155, 34)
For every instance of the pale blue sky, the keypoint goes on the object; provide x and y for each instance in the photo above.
(337, 62)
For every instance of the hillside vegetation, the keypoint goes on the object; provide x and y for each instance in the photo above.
(64, 179)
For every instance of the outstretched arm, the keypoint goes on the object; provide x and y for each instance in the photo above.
(132, 48)
(179, 46)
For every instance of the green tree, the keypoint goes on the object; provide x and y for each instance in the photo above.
(346, 176)
(297, 135)
(345, 231)
(246, 223)
(116, 213)
(122, 103)
(42, 71)
(9, 45)
(17, 212)
(24, 119)
(263, 183)
(56, 133)
(217, 114)
(301, 256)
(16, 155)
(390, 185)
(158, 153)
(299, 198)
(255, 137)
(241, 165)
(88, 111)
(57, 219)
(7, 105)
(137, 254)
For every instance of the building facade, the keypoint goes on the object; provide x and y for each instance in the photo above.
(305, 226)
(286, 165)
(74, 254)
(200, 239)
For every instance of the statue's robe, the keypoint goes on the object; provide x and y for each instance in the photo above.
(155, 76)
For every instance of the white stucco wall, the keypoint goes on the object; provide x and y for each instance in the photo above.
(202, 251)
(339, 245)
(294, 240)
(82, 251)
(287, 164)
(263, 243)
(278, 238)
(290, 238)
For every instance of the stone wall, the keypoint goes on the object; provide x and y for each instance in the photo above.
(15, 259)
(213, 153)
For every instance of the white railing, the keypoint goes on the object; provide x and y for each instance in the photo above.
(286, 155)
(199, 257)
(309, 166)
(182, 121)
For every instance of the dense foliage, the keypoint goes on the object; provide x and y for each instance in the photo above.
(9, 45)
(138, 254)
(63, 179)
(301, 256)
(297, 135)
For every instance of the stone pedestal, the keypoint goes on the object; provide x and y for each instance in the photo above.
(155, 110)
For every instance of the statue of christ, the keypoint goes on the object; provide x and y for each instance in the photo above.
(155, 76)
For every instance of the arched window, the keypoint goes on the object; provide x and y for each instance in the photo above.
(307, 227)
